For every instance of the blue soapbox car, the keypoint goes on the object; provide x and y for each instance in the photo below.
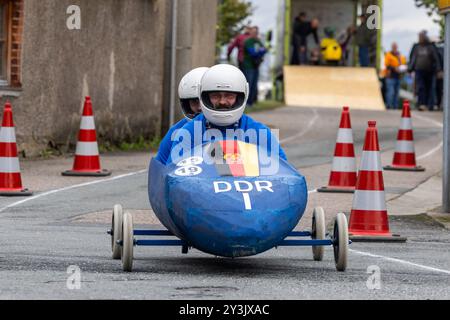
(231, 200)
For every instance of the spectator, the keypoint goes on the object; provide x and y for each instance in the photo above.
(301, 30)
(425, 63)
(238, 42)
(395, 64)
(363, 39)
(382, 77)
(344, 41)
(254, 52)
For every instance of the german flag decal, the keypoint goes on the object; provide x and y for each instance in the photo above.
(235, 158)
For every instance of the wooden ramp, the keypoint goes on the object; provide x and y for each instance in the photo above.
(327, 87)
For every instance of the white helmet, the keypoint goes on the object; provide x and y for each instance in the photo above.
(188, 89)
(223, 77)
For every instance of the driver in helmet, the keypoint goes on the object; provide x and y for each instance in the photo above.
(190, 105)
(223, 97)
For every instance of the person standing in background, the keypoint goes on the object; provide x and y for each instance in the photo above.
(301, 31)
(254, 52)
(395, 64)
(344, 40)
(425, 63)
(363, 39)
(238, 42)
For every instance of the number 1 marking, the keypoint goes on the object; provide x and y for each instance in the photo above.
(247, 202)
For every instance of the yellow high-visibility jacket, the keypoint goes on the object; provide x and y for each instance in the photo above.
(392, 61)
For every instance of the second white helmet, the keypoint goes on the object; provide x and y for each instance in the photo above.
(223, 78)
(188, 89)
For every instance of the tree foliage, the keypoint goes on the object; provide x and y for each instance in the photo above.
(231, 21)
(431, 5)
(432, 8)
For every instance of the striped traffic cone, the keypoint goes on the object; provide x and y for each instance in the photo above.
(405, 155)
(343, 172)
(87, 158)
(10, 178)
(369, 218)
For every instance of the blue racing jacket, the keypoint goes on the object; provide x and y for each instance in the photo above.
(166, 144)
(199, 131)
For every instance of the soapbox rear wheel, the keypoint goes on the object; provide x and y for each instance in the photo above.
(127, 242)
(116, 231)
(340, 242)
(318, 232)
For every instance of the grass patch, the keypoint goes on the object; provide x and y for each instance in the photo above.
(264, 106)
(444, 218)
(421, 218)
(48, 153)
(140, 144)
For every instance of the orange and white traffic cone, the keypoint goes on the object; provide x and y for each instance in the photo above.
(10, 177)
(405, 155)
(87, 158)
(343, 171)
(369, 217)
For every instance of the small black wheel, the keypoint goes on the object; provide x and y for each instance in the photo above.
(116, 231)
(318, 232)
(128, 242)
(340, 242)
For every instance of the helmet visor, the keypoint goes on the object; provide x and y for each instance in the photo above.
(191, 107)
(223, 100)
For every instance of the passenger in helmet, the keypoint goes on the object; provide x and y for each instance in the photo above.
(190, 105)
(223, 97)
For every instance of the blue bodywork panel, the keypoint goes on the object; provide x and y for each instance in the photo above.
(229, 216)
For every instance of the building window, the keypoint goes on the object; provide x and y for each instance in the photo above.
(11, 25)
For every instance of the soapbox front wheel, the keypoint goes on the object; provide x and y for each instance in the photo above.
(340, 242)
(116, 231)
(127, 242)
(318, 232)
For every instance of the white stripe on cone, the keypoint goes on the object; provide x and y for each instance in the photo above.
(87, 149)
(8, 135)
(404, 146)
(371, 161)
(345, 136)
(87, 123)
(406, 124)
(9, 165)
(369, 200)
(344, 164)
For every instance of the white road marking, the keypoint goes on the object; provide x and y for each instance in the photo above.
(436, 123)
(429, 153)
(304, 131)
(40, 195)
(312, 191)
(400, 261)
(435, 149)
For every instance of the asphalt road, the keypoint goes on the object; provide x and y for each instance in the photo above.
(42, 237)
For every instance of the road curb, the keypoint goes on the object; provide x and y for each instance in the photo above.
(426, 197)
(443, 219)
